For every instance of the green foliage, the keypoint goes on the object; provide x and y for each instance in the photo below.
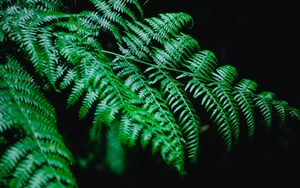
(145, 93)
(37, 155)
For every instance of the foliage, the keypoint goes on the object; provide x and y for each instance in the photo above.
(38, 156)
(146, 93)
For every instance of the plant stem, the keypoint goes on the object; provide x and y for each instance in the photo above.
(144, 62)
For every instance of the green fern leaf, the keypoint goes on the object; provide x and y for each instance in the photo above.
(244, 96)
(176, 51)
(222, 84)
(282, 110)
(69, 77)
(168, 25)
(202, 64)
(113, 11)
(142, 95)
(155, 104)
(180, 104)
(94, 21)
(264, 103)
(294, 113)
(39, 157)
(47, 5)
(218, 114)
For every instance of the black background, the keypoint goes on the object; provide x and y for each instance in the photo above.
(259, 39)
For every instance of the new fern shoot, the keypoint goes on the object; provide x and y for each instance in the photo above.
(143, 93)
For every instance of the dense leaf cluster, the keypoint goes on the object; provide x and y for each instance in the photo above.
(145, 91)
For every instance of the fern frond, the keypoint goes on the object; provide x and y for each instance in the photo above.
(115, 12)
(294, 113)
(226, 74)
(216, 97)
(263, 101)
(139, 36)
(211, 104)
(155, 104)
(142, 126)
(202, 64)
(153, 100)
(95, 82)
(244, 97)
(69, 77)
(39, 157)
(43, 5)
(181, 105)
(282, 109)
(94, 21)
(133, 123)
(222, 87)
(108, 13)
(36, 41)
(146, 90)
(49, 54)
(116, 7)
(176, 51)
(87, 102)
(142, 31)
(121, 6)
(167, 25)
(135, 46)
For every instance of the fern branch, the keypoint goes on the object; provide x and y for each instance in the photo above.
(39, 157)
(143, 89)
(264, 103)
(132, 58)
(244, 97)
(222, 84)
(179, 102)
(155, 105)
(218, 114)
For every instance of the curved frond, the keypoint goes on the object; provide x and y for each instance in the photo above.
(202, 64)
(148, 95)
(222, 87)
(167, 25)
(264, 103)
(244, 96)
(282, 109)
(44, 5)
(155, 104)
(294, 113)
(140, 35)
(181, 105)
(176, 51)
(113, 13)
(39, 157)
(211, 104)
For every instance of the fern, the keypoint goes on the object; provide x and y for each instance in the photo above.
(244, 96)
(179, 52)
(38, 157)
(154, 103)
(146, 93)
(181, 105)
(264, 103)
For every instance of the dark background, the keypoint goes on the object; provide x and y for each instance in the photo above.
(259, 39)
